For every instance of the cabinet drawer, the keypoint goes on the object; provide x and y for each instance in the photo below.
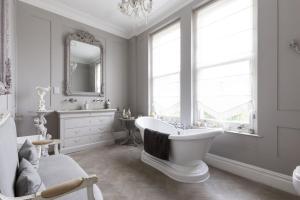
(101, 120)
(88, 121)
(84, 131)
(83, 140)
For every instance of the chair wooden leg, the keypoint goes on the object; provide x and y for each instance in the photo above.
(90, 192)
(56, 151)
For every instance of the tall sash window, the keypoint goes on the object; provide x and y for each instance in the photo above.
(225, 64)
(165, 72)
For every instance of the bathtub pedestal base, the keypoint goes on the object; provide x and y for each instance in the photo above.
(185, 174)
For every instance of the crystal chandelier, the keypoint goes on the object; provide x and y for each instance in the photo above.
(136, 8)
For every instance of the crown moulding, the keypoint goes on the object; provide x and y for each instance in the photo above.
(85, 18)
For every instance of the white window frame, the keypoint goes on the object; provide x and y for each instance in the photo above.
(150, 71)
(234, 127)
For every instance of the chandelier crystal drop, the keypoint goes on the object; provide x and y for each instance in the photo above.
(136, 8)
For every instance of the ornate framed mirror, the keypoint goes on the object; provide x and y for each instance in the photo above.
(5, 67)
(84, 65)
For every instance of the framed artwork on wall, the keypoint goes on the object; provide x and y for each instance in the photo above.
(5, 64)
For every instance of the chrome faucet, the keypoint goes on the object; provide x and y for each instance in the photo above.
(97, 100)
(71, 100)
(178, 125)
(182, 126)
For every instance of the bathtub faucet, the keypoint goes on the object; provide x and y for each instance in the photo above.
(178, 125)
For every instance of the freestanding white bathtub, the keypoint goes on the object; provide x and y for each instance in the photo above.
(187, 150)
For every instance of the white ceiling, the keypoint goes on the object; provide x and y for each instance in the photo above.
(105, 15)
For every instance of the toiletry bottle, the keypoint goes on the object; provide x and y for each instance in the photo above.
(107, 104)
(124, 114)
(153, 114)
(129, 113)
(86, 105)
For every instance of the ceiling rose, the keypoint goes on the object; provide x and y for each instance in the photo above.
(136, 8)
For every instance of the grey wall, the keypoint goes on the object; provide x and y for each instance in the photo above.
(41, 62)
(41, 38)
(278, 81)
(7, 102)
(132, 87)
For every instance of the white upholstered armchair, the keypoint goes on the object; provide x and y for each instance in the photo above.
(63, 178)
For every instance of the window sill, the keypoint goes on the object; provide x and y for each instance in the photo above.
(243, 133)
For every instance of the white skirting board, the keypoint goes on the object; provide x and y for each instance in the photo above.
(251, 172)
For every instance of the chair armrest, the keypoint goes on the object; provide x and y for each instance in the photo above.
(53, 142)
(46, 142)
(68, 187)
(60, 190)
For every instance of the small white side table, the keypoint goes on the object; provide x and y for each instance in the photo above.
(129, 125)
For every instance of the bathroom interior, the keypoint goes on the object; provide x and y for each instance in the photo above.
(149, 99)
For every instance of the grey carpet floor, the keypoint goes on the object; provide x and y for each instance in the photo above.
(123, 176)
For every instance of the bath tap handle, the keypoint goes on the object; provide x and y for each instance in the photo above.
(71, 100)
(295, 46)
(178, 125)
(98, 100)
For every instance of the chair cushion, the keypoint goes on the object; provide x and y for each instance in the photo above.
(28, 181)
(60, 168)
(8, 157)
(30, 153)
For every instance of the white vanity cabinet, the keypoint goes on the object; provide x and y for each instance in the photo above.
(82, 129)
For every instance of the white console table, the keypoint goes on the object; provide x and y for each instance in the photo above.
(82, 129)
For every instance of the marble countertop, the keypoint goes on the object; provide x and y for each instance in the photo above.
(86, 111)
